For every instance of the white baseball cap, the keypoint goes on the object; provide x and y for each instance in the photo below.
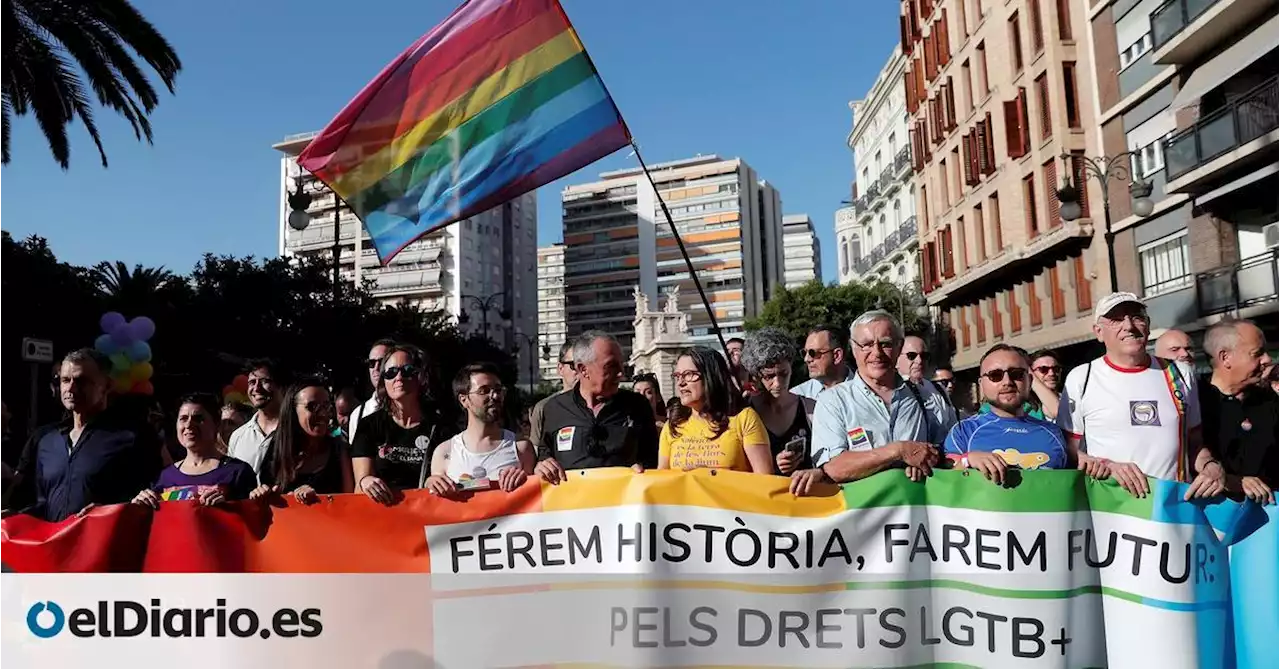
(1106, 304)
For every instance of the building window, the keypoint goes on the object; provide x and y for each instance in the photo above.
(1064, 19)
(1037, 27)
(1029, 204)
(897, 214)
(1166, 264)
(1149, 159)
(1015, 44)
(1042, 99)
(979, 235)
(993, 215)
(844, 257)
(984, 83)
(1069, 92)
(1135, 51)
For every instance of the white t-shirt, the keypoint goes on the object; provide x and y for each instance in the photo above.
(1132, 415)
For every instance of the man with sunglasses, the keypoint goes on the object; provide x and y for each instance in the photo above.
(1137, 413)
(568, 373)
(374, 363)
(598, 423)
(826, 358)
(1005, 435)
(913, 363)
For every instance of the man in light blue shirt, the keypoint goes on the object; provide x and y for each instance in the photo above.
(826, 357)
(873, 422)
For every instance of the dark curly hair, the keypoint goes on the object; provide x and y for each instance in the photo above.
(717, 387)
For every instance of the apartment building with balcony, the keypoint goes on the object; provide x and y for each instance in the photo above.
(877, 236)
(551, 315)
(1189, 86)
(994, 88)
(488, 254)
(616, 239)
(801, 251)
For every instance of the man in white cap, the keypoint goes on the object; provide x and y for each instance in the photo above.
(1139, 414)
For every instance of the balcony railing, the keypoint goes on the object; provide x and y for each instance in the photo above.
(1170, 18)
(1247, 283)
(908, 229)
(1246, 118)
(861, 265)
(903, 160)
(874, 190)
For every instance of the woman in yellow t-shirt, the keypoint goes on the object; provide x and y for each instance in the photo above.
(703, 432)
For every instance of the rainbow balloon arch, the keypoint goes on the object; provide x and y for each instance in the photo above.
(124, 343)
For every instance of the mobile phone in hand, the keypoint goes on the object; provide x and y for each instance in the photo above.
(796, 445)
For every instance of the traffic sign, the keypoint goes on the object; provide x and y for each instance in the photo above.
(37, 350)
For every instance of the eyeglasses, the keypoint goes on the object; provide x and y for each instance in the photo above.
(373, 362)
(883, 344)
(945, 382)
(1016, 374)
(410, 372)
(691, 376)
(496, 391)
(315, 406)
(567, 362)
(816, 353)
(1139, 317)
(1045, 369)
(912, 355)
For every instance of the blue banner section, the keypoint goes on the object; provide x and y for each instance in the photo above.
(1255, 579)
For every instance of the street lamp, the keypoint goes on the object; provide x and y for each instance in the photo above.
(485, 304)
(532, 341)
(1104, 169)
(299, 218)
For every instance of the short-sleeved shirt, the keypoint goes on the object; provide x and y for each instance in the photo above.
(370, 406)
(1139, 415)
(249, 443)
(697, 447)
(1024, 441)
(398, 453)
(813, 387)
(234, 477)
(852, 417)
(622, 434)
(1242, 431)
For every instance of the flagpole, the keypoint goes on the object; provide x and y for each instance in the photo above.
(706, 304)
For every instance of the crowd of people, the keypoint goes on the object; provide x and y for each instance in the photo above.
(873, 402)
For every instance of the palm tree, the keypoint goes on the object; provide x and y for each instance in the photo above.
(45, 39)
(117, 280)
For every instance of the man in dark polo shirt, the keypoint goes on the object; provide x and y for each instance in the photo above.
(1239, 416)
(93, 456)
(597, 424)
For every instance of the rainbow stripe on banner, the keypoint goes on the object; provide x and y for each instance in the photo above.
(495, 101)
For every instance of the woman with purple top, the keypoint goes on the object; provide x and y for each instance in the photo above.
(204, 475)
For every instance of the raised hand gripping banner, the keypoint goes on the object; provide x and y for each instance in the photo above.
(660, 569)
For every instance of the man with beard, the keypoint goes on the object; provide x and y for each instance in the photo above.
(1240, 416)
(1005, 435)
(1137, 413)
(826, 358)
(483, 453)
(1176, 345)
(266, 388)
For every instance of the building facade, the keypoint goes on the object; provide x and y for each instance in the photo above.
(877, 235)
(486, 259)
(616, 238)
(994, 88)
(801, 251)
(551, 315)
(1189, 88)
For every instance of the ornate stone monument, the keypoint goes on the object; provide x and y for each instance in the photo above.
(660, 337)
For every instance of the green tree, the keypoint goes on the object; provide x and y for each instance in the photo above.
(798, 310)
(45, 41)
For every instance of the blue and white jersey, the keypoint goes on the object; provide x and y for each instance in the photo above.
(1024, 442)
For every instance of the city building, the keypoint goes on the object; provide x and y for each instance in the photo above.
(877, 236)
(616, 238)
(1189, 88)
(994, 89)
(482, 267)
(551, 322)
(801, 251)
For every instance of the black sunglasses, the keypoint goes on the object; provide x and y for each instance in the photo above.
(1016, 374)
(410, 372)
(373, 362)
(912, 355)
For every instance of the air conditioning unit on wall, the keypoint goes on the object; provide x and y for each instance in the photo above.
(1271, 235)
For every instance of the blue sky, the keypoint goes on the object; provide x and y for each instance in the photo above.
(764, 80)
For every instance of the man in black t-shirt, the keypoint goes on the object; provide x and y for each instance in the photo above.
(1238, 418)
(597, 424)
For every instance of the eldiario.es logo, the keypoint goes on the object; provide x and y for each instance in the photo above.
(124, 618)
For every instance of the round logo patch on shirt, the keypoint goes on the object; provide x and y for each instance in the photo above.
(1144, 412)
(1246, 425)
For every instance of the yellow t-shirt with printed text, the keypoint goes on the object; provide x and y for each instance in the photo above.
(695, 448)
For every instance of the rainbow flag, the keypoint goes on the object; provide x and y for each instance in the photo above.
(495, 101)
